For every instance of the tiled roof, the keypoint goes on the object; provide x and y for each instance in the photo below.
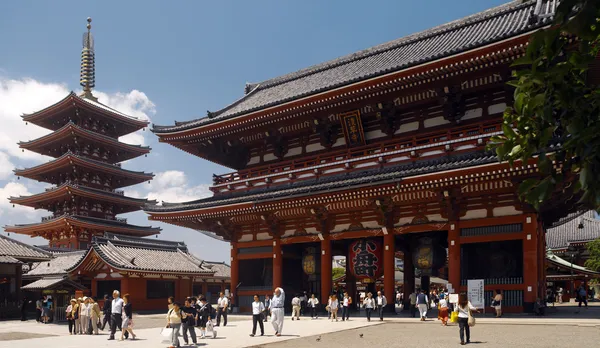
(9, 260)
(147, 242)
(493, 25)
(221, 269)
(98, 222)
(557, 261)
(21, 251)
(333, 182)
(138, 254)
(51, 283)
(58, 265)
(560, 237)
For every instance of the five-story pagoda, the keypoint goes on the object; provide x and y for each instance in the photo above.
(85, 168)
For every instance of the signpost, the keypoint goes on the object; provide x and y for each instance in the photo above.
(475, 293)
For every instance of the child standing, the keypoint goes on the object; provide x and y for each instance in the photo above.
(257, 312)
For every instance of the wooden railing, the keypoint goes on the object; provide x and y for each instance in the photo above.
(384, 153)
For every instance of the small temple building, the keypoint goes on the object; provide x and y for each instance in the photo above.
(374, 153)
(86, 197)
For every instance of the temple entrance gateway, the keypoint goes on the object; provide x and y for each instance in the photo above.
(394, 152)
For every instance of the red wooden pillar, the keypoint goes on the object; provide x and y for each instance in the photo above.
(530, 261)
(454, 255)
(325, 268)
(235, 270)
(389, 268)
(277, 262)
(94, 287)
(409, 277)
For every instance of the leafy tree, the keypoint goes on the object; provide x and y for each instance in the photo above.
(337, 272)
(593, 262)
(555, 118)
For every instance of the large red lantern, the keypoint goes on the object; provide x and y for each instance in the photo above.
(366, 259)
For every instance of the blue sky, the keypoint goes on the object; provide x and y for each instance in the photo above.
(173, 60)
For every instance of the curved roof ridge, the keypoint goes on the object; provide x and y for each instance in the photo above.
(31, 114)
(74, 125)
(439, 29)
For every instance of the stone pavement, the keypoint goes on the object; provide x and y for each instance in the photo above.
(236, 334)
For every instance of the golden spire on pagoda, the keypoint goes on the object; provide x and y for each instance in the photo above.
(87, 78)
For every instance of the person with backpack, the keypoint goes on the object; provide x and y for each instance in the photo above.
(582, 296)
(422, 304)
(205, 313)
(174, 319)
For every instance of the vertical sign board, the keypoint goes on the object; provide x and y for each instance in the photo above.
(475, 292)
(353, 129)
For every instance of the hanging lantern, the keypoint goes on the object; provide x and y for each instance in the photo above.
(366, 259)
(428, 256)
(309, 264)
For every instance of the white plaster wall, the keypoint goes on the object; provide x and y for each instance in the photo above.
(314, 147)
(473, 113)
(374, 134)
(505, 211)
(408, 127)
(246, 238)
(293, 151)
(496, 108)
(436, 121)
(475, 214)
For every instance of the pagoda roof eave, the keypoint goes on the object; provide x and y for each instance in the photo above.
(71, 129)
(86, 222)
(68, 189)
(72, 99)
(69, 157)
(501, 23)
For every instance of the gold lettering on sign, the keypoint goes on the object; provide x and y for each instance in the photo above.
(353, 129)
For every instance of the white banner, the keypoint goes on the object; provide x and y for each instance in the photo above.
(475, 292)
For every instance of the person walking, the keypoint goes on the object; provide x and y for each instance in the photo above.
(84, 315)
(296, 306)
(188, 322)
(174, 319)
(24, 305)
(205, 313)
(222, 304)
(559, 294)
(413, 304)
(267, 307)
(497, 303)
(443, 310)
(45, 311)
(582, 296)
(277, 314)
(127, 323)
(334, 305)
(422, 304)
(346, 302)
(258, 308)
(380, 302)
(38, 309)
(106, 307)
(71, 313)
(303, 303)
(116, 310)
(312, 304)
(369, 304)
(464, 309)
(95, 315)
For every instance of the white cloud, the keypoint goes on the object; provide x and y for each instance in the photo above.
(173, 186)
(6, 166)
(25, 214)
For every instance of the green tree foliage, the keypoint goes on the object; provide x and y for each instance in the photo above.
(593, 262)
(555, 104)
(337, 272)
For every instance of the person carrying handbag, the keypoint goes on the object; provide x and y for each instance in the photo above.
(464, 308)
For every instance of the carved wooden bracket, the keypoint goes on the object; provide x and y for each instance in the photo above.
(233, 153)
(450, 203)
(278, 142)
(273, 224)
(452, 101)
(328, 132)
(325, 221)
(386, 212)
(387, 115)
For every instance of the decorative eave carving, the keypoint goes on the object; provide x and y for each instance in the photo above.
(324, 220)
(233, 153)
(385, 209)
(273, 223)
(450, 203)
(451, 99)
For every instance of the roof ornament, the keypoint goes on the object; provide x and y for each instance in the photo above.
(88, 72)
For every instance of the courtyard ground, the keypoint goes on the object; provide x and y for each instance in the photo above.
(563, 328)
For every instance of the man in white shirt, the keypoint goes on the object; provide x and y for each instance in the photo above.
(116, 313)
(381, 302)
(296, 308)
(222, 304)
(257, 312)
(277, 310)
